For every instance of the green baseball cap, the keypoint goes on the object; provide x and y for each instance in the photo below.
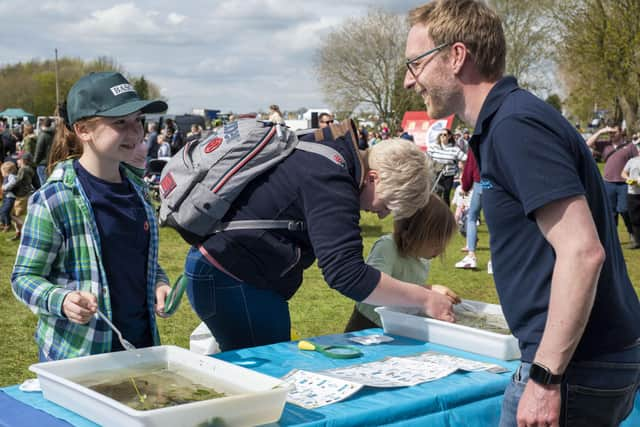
(107, 94)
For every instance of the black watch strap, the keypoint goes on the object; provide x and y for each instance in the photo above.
(542, 375)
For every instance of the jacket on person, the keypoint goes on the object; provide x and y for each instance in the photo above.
(60, 252)
(29, 144)
(304, 186)
(43, 146)
(23, 185)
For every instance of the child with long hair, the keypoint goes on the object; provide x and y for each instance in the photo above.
(90, 239)
(406, 253)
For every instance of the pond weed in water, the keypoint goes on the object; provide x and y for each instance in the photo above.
(152, 389)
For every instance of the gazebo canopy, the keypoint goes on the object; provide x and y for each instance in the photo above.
(17, 113)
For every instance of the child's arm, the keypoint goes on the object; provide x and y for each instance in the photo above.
(39, 248)
(11, 183)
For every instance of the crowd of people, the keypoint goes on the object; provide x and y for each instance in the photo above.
(552, 220)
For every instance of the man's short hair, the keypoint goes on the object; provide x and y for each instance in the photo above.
(47, 122)
(470, 22)
(405, 175)
(321, 115)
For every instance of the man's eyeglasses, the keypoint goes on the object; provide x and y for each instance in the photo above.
(414, 66)
(326, 121)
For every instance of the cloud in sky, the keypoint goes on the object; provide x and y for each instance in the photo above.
(238, 55)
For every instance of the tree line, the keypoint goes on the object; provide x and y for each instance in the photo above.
(32, 85)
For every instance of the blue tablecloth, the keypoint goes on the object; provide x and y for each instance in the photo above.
(461, 399)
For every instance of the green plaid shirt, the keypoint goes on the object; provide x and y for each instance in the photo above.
(60, 252)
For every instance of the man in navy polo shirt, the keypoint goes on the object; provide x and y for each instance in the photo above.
(558, 266)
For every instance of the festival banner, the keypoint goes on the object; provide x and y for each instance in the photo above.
(424, 129)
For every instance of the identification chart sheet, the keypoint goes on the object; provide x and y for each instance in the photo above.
(315, 389)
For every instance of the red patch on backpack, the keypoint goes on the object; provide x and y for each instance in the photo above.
(212, 145)
(167, 184)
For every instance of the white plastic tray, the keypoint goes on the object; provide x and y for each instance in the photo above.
(406, 322)
(256, 398)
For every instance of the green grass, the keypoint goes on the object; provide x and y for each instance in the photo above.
(316, 309)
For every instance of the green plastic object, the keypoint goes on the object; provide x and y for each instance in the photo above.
(175, 295)
(332, 351)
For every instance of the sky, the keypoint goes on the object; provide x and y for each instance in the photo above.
(232, 55)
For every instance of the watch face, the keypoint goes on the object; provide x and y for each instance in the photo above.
(539, 374)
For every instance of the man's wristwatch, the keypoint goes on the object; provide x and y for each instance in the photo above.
(540, 374)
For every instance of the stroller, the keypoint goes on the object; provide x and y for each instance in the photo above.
(152, 176)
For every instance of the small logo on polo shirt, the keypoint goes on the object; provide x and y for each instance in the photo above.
(486, 184)
(120, 89)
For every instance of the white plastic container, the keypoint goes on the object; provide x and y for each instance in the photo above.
(399, 321)
(255, 398)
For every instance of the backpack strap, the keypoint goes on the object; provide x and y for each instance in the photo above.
(284, 224)
(262, 224)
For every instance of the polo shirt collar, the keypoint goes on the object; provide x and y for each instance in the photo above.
(494, 100)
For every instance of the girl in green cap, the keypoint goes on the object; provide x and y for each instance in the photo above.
(90, 239)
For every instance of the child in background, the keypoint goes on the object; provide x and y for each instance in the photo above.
(90, 240)
(8, 170)
(406, 255)
(462, 202)
(631, 173)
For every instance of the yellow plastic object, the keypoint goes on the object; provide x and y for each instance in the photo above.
(306, 345)
(631, 181)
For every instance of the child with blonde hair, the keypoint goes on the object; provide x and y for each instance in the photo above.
(8, 170)
(406, 253)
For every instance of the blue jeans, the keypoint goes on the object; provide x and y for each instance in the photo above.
(617, 195)
(5, 210)
(598, 392)
(473, 215)
(42, 174)
(238, 314)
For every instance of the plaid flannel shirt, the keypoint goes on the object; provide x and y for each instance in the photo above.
(60, 253)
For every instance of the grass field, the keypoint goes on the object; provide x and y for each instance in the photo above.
(315, 309)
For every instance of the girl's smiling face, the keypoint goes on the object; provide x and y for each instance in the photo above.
(113, 138)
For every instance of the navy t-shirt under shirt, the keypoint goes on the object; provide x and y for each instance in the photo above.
(124, 240)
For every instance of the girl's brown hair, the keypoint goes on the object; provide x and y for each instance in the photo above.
(433, 225)
(66, 144)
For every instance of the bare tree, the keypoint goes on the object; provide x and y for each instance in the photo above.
(528, 30)
(359, 63)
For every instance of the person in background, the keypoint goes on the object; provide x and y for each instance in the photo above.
(463, 141)
(29, 139)
(275, 115)
(631, 173)
(195, 133)
(43, 147)
(152, 140)
(615, 155)
(406, 255)
(8, 171)
(91, 218)
(557, 262)
(22, 188)
(470, 182)
(164, 148)
(324, 120)
(446, 157)
(363, 138)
